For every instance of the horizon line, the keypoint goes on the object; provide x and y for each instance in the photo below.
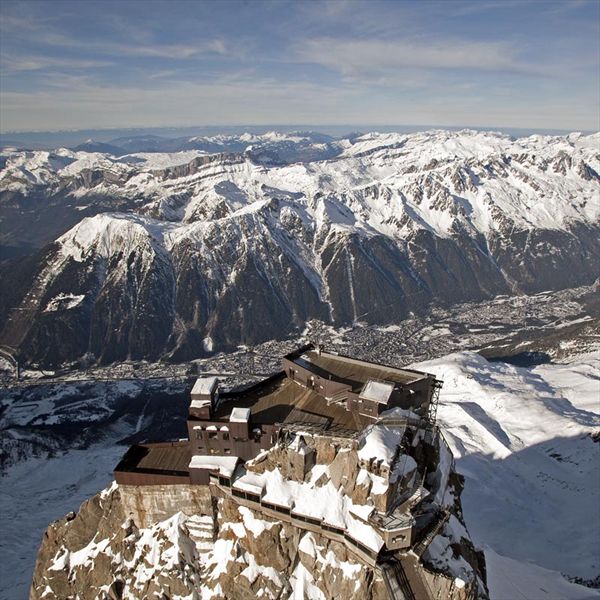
(299, 127)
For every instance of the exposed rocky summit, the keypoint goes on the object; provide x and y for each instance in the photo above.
(203, 252)
(184, 541)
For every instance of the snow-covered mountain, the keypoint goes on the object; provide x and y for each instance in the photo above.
(188, 252)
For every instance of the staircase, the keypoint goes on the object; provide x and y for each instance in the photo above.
(338, 398)
(201, 532)
(432, 530)
(396, 581)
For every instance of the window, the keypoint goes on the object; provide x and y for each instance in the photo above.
(225, 435)
(227, 450)
(198, 434)
(212, 435)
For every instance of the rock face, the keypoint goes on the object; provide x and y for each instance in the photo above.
(225, 549)
(207, 252)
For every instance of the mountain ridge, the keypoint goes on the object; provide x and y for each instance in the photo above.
(391, 224)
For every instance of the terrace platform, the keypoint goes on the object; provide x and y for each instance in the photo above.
(163, 463)
(354, 372)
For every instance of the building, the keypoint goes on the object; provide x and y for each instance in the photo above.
(322, 390)
(320, 395)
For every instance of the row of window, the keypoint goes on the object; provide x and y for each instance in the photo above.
(285, 510)
(212, 435)
(202, 449)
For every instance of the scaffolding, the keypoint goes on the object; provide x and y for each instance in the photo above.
(433, 405)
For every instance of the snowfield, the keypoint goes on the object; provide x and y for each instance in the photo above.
(522, 439)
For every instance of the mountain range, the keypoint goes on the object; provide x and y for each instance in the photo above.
(231, 240)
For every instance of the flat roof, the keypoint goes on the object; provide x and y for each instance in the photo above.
(377, 391)
(162, 457)
(224, 464)
(353, 371)
(239, 415)
(281, 400)
(205, 385)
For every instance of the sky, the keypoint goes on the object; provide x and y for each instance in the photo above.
(147, 63)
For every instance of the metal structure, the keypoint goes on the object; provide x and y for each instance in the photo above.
(433, 404)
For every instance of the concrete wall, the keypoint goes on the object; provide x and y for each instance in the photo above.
(151, 503)
(137, 478)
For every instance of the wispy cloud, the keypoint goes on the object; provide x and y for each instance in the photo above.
(16, 64)
(135, 48)
(370, 57)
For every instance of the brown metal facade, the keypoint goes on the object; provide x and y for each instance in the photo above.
(313, 388)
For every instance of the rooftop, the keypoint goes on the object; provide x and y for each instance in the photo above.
(205, 385)
(353, 371)
(281, 400)
(165, 458)
(378, 391)
(225, 465)
(240, 415)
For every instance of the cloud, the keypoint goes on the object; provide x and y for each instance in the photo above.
(146, 49)
(371, 57)
(174, 51)
(18, 64)
(261, 101)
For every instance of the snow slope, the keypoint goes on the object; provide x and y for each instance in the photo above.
(522, 439)
(510, 579)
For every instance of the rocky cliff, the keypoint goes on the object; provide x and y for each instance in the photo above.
(184, 542)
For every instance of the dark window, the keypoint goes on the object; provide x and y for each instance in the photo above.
(198, 434)
(212, 435)
(225, 435)
(227, 450)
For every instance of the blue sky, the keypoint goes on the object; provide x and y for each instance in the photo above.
(144, 63)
